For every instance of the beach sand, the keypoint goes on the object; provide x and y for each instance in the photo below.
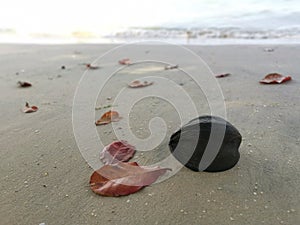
(45, 179)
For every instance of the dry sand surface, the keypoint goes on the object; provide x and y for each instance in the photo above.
(45, 179)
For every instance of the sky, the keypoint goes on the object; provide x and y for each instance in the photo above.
(62, 16)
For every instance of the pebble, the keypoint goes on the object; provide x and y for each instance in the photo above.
(42, 224)
(128, 200)
(231, 218)
(36, 131)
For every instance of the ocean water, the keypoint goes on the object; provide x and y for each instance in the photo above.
(177, 21)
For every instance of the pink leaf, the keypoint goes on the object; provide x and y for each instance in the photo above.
(30, 109)
(275, 78)
(123, 178)
(125, 61)
(137, 84)
(116, 152)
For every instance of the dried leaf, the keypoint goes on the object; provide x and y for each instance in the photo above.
(171, 67)
(30, 109)
(116, 152)
(275, 78)
(125, 61)
(138, 83)
(24, 84)
(223, 75)
(123, 178)
(89, 66)
(108, 117)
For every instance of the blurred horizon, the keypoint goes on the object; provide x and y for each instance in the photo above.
(92, 21)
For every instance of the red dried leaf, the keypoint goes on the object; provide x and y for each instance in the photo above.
(30, 109)
(89, 66)
(137, 84)
(116, 152)
(108, 117)
(24, 84)
(223, 75)
(125, 61)
(123, 178)
(275, 78)
(171, 67)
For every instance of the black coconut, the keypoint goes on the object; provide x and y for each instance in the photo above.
(190, 142)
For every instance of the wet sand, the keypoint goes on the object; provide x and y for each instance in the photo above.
(44, 178)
